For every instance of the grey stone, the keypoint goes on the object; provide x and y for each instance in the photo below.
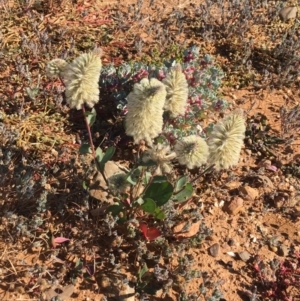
(244, 255)
(214, 250)
(98, 187)
(287, 13)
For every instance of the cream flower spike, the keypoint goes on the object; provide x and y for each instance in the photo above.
(226, 141)
(191, 151)
(144, 119)
(81, 78)
(177, 91)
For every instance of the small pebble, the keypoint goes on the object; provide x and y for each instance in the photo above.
(231, 242)
(232, 254)
(235, 206)
(287, 13)
(244, 255)
(273, 248)
(250, 193)
(214, 250)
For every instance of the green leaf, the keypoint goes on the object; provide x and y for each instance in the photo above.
(85, 186)
(142, 271)
(91, 117)
(185, 194)
(160, 192)
(99, 154)
(158, 214)
(180, 183)
(85, 149)
(108, 154)
(147, 177)
(134, 174)
(149, 205)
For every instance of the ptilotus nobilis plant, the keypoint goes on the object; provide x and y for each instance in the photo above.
(80, 77)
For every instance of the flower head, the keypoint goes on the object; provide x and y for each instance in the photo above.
(117, 183)
(161, 154)
(177, 91)
(226, 141)
(56, 68)
(191, 151)
(81, 78)
(144, 119)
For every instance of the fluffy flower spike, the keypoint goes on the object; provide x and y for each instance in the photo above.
(56, 68)
(226, 141)
(161, 154)
(144, 119)
(177, 91)
(117, 183)
(81, 78)
(191, 151)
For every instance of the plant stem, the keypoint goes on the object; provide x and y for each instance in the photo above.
(61, 81)
(89, 132)
(92, 145)
(209, 168)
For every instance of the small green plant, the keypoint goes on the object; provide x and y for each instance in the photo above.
(161, 113)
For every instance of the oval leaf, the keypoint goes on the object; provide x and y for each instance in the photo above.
(149, 233)
(59, 240)
(159, 192)
(185, 194)
(108, 154)
(180, 183)
(85, 149)
(153, 233)
(99, 154)
(149, 205)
